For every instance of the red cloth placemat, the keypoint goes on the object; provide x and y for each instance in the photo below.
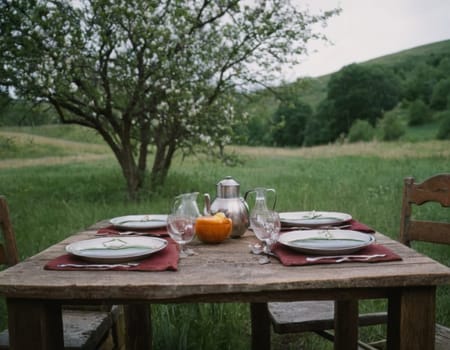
(166, 259)
(111, 230)
(289, 257)
(359, 226)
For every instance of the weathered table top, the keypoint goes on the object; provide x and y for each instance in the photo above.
(222, 272)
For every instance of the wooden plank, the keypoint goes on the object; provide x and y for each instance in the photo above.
(35, 325)
(241, 276)
(442, 337)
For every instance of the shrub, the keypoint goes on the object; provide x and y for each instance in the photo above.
(444, 126)
(390, 127)
(361, 130)
(419, 113)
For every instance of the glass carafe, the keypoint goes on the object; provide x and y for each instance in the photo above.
(186, 204)
(181, 220)
(264, 222)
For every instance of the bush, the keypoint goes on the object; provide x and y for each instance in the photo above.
(419, 113)
(444, 126)
(361, 130)
(390, 127)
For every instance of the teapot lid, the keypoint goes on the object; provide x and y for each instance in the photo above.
(228, 188)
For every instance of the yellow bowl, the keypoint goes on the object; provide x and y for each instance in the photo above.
(213, 229)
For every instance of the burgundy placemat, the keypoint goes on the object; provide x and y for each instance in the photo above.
(166, 259)
(355, 225)
(289, 257)
(112, 230)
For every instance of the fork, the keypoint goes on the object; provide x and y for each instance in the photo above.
(321, 227)
(342, 258)
(99, 266)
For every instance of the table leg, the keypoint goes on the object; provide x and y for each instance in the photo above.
(346, 324)
(260, 326)
(35, 324)
(138, 326)
(411, 319)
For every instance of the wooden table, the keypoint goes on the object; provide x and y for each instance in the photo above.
(226, 273)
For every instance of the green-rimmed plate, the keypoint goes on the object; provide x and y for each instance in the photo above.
(116, 250)
(326, 242)
(313, 218)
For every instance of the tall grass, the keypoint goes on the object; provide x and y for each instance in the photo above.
(48, 203)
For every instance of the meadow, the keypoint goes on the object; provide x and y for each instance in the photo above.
(67, 190)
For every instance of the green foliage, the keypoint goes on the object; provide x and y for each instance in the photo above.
(390, 127)
(360, 92)
(441, 95)
(361, 130)
(290, 121)
(420, 82)
(444, 126)
(149, 73)
(23, 113)
(319, 128)
(419, 113)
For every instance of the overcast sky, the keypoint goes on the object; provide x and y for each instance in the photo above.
(367, 29)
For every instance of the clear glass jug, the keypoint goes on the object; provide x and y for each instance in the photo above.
(181, 221)
(186, 204)
(264, 222)
(261, 199)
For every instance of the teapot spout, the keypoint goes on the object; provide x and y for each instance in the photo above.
(207, 208)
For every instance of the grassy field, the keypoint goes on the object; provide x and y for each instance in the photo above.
(54, 196)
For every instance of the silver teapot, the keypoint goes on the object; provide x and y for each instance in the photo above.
(229, 202)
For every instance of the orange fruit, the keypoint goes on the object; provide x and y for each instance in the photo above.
(213, 229)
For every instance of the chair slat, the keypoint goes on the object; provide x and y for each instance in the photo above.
(429, 231)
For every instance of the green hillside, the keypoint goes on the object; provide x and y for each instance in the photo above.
(419, 72)
(315, 89)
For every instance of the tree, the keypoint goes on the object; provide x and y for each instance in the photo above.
(290, 121)
(148, 73)
(440, 95)
(359, 92)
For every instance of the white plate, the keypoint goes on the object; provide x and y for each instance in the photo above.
(325, 242)
(313, 218)
(139, 222)
(116, 250)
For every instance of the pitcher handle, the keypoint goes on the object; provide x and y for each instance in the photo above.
(275, 196)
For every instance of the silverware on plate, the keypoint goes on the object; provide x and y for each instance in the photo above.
(99, 266)
(342, 258)
(320, 227)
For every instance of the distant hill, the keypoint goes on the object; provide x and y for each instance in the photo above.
(261, 105)
(315, 89)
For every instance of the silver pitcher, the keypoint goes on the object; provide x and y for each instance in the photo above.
(229, 202)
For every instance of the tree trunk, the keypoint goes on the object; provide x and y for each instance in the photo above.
(134, 176)
(161, 164)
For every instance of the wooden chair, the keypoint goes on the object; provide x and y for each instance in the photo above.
(83, 329)
(318, 317)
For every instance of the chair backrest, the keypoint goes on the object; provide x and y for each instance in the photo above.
(434, 189)
(8, 248)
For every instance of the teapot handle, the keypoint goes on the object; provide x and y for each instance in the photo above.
(207, 208)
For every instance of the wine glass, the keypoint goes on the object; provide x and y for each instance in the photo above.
(266, 226)
(181, 229)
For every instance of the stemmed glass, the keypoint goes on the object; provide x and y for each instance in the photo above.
(266, 226)
(181, 229)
